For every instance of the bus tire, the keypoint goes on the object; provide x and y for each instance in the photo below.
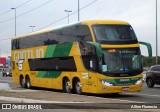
(66, 86)
(22, 82)
(77, 86)
(150, 82)
(28, 82)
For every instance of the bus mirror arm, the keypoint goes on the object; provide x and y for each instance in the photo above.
(149, 47)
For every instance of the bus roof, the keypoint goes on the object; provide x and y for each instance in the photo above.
(86, 22)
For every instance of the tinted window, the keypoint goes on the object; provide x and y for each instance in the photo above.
(88, 53)
(158, 68)
(76, 33)
(71, 34)
(52, 64)
(155, 68)
(90, 62)
(122, 61)
(114, 34)
(152, 69)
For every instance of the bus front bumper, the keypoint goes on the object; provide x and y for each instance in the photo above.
(119, 89)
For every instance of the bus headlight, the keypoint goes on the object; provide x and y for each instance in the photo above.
(139, 81)
(106, 83)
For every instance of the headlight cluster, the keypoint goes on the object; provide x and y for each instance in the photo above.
(139, 81)
(106, 83)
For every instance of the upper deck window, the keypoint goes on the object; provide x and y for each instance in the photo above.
(114, 34)
(77, 33)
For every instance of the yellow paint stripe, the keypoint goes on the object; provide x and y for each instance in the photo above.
(120, 46)
(91, 22)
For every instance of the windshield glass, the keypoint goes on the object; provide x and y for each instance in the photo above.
(122, 60)
(104, 33)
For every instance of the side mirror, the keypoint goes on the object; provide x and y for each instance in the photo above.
(148, 45)
(104, 68)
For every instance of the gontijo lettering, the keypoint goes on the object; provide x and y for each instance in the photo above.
(27, 54)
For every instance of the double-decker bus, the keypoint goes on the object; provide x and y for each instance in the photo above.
(94, 56)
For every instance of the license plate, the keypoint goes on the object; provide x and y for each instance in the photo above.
(125, 88)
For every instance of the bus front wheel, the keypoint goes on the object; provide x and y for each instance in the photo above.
(78, 87)
(66, 86)
(28, 83)
(22, 82)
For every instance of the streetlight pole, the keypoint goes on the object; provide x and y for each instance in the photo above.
(32, 27)
(78, 11)
(15, 19)
(156, 37)
(68, 11)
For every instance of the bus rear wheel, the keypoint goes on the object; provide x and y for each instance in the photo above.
(66, 86)
(22, 82)
(77, 87)
(28, 83)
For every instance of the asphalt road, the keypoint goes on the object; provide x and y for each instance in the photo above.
(147, 95)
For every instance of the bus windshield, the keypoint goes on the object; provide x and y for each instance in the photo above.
(114, 33)
(123, 60)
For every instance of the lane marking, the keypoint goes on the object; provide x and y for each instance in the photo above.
(120, 100)
(109, 98)
(129, 101)
(23, 90)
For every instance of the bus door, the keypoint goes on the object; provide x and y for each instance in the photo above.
(89, 76)
(91, 52)
(92, 79)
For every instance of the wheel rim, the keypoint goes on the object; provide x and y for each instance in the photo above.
(22, 82)
(149, 82)
(67, 86)
(28, 83)
(78, 87)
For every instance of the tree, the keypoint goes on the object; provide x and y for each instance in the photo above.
(149, 61)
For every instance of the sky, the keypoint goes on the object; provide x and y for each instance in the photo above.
(141, 14)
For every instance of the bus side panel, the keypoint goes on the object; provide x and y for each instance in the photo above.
(81, 73)
(15, 77)
(92, 82)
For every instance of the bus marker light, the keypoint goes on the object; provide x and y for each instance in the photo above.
(106, 83)
(112, 50)
(139, 81)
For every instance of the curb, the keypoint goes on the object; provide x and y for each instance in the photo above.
(24, 100)
(4, 86)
